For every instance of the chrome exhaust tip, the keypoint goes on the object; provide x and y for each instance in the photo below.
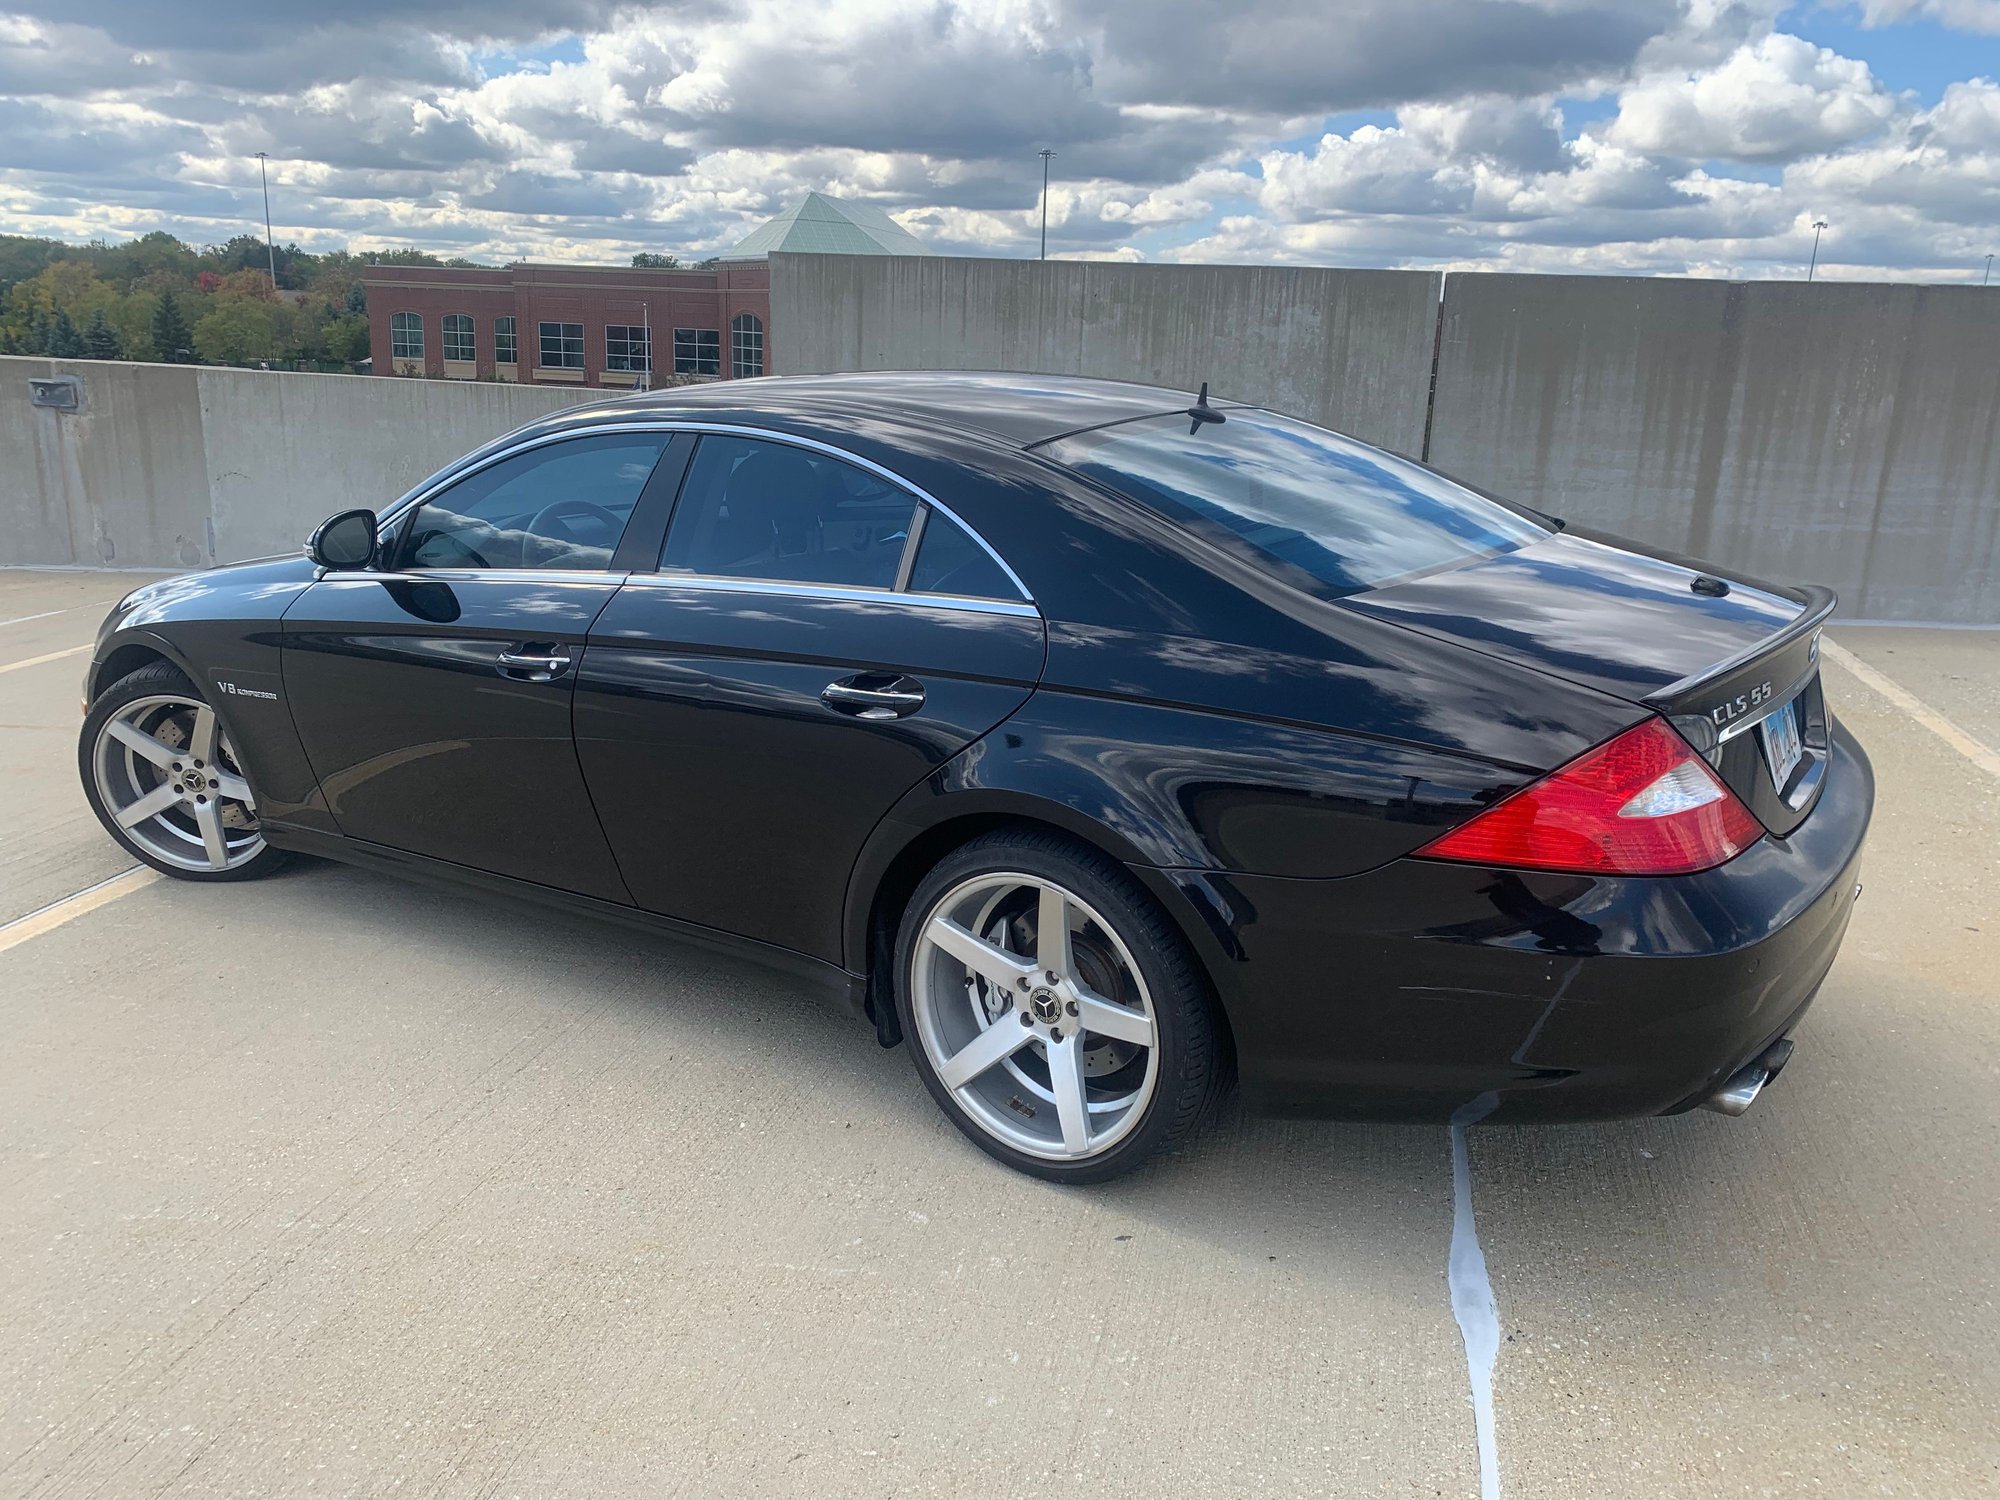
(1744, 1085)
(1737, 1095)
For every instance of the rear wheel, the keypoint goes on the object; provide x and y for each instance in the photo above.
(163, 778)
(1052, 1010)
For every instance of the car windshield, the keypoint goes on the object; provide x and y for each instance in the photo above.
(1329, 514)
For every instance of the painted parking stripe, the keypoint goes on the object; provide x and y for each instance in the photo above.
(1975, 750)
(52, 916)
(1472, 1301)
(47, 614)
(36, 661)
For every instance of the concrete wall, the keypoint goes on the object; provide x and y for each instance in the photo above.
(1842, 434)
(1349, 349)
(1845, 434)
(170, 466)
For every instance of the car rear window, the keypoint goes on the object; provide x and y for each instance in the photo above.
(1325, 512)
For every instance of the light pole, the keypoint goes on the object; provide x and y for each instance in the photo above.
(1046, 153)
(1989, 271)
(1819, 226)
(269, 250)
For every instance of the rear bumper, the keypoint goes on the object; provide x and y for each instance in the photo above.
(1414, 989)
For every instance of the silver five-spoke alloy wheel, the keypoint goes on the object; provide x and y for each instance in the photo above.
(1034, 1015)
(168, 777)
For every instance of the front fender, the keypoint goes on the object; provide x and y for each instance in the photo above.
(222, 628)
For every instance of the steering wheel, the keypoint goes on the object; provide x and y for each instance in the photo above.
(555, 513)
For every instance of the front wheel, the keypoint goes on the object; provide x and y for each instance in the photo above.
(163, 778)
(1052, 1009)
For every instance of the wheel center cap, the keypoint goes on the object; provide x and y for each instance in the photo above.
(193, 781)
(1046, 1006)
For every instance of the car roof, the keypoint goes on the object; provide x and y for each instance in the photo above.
(1016, 409)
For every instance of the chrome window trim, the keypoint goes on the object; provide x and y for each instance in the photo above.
(472, 575)
(410, 502)
(838, 592)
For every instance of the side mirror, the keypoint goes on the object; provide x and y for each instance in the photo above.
(345, 541)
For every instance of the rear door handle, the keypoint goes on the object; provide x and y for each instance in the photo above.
(531, 665)
(874, 695)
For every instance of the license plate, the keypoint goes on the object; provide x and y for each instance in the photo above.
(1782, 745)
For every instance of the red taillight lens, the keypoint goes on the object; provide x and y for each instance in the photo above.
(1642, 804)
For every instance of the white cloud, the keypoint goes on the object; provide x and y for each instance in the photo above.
(1961, 15)
(1774, 100)
(1669, 135)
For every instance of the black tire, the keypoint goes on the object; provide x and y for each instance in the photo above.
(155, 680)
(1194, 1057)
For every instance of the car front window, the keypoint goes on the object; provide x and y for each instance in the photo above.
(564, 505)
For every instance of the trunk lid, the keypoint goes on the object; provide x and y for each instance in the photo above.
(1736, 671)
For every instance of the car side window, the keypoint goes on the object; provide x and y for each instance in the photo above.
(561, 506)
(753, 508)
(949, 561)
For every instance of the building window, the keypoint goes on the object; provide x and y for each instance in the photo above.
(458, 337)
(746, 346)
(505, 351)
(628, 346)
(697, 351)
(562, 346)
(406, 336)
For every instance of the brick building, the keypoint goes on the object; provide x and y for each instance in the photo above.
(609, 325)
(570, 325)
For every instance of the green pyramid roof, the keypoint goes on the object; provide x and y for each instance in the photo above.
(829, 226)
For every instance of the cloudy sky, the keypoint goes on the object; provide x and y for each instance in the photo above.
(1672, 136)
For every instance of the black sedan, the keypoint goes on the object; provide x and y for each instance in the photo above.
(1102, 743)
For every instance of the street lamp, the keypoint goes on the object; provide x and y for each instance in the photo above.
(269, 250)
(1989, 271)
(1046, 153)
(1819, 226)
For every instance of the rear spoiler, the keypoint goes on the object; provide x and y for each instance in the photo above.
(1820, 602)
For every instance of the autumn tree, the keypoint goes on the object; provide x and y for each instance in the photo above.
(235, 333)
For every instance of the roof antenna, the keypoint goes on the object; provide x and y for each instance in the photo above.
(1202, 412)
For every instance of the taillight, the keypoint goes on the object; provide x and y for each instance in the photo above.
(1641, 804)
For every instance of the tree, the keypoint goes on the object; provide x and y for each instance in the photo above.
(64, 341)
(100, 339)
(357, 298)
(245, 286)
(235, 333)
(173, 342)
(347, 338)
(650, 260)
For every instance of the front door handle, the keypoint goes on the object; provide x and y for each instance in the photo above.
(530, 664)
(874, 695)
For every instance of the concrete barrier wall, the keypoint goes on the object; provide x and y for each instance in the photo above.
(1349, 349)
(1845, 434)
(171, 466)
(1840, 434)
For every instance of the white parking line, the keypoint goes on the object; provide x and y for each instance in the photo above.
(52, 916)
(1977, 751)
(36, 661)
(1472, 1301)
(47, 614)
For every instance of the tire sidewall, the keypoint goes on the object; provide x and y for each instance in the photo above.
(1117, 903)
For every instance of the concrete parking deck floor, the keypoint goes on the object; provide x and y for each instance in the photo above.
(330, 1185)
